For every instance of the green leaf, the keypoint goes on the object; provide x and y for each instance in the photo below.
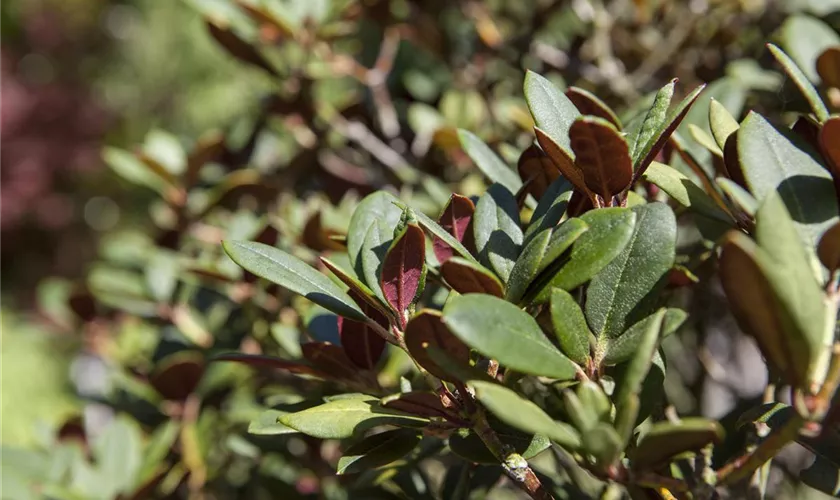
(721, 122)
(158, 447)
(603, 442)
(772, 161)
(378, 206)
(610, 229)
(498, 237)
(344, 418)
(553, 112)
(488, 162)
(822, 475)
(470, 447)
(684, 191)
(501, 331)
(268, 424)
(637, 369)
(653, 123)
(543, 251)
(800, 79)
(738, 195)
(622, 348)
(665, 440)
(570, 326)
(438, 231)
(374, 249)
(626, 290)
(290, 272)
(119, 456)
(377, 451)
(130, 168)
(355, 285)
(550, 209)
(522, 414)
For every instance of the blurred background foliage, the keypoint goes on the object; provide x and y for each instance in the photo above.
(313, 99)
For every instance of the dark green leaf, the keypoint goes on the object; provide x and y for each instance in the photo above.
(822, 475)
(470, 447)
(570, 326)
(665, 440)
(626, 290)
(501, 331)
(622, 348)
(268, 424)
(553, 112)
(378, 206)
(498, 237)
(603, 442)
(637, 369)
(550, 209)
(290, 272)
(374, 249)
(377, 450)
(685, 192)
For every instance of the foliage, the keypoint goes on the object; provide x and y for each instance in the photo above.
(463, 330)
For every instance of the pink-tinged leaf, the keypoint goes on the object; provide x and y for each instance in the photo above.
(602, 155)
(360, 342)
(466, 277)
(425, 404)
(537, 170)
(455, 220)
(589, 104)
(263, 361)
(330, 359)
(404, 270)
(427, 329)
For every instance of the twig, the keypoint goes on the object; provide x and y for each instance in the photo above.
(744, 465)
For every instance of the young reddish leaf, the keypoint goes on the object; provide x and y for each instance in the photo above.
(562, 160)
(260, 360)
(829, 248)
(465, 277)
(579, 204)
(589, 104)
(239, 48)
(177, 376)
(360, 342)
(455, 220)
(602, 155)
(828, 67)
(427, 329)
(330, 359)
(537, 170)
(404, 270)
(425, 404)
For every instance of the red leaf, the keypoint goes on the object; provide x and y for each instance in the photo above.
(455, 219)
(404, 270)
(178, 375)
(465, 277)
(330, 359)
(602, 156)
(427, 329)
(588, 104)
(562, 160)
(537, 170)
(426, 404)
(361, 344)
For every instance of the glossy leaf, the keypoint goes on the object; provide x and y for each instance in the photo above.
(378, 206)
(553, 112)
(377, 450)
(292, 273)
(268, 424)
(589, 104)
(665, 440)
(537, 170)
(570, 326)
(501, 331)
(602, 155)
(466, 277)
(610, 230)
(540, 253)
(427, 329)
(522, 414)
(498, 237)
(684, 191)
(489, 162)
(344, 418)
(455, 220)
(627, 288)
(772, 161)
(404, 270)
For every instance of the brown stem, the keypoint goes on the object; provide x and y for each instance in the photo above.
(515, 466)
